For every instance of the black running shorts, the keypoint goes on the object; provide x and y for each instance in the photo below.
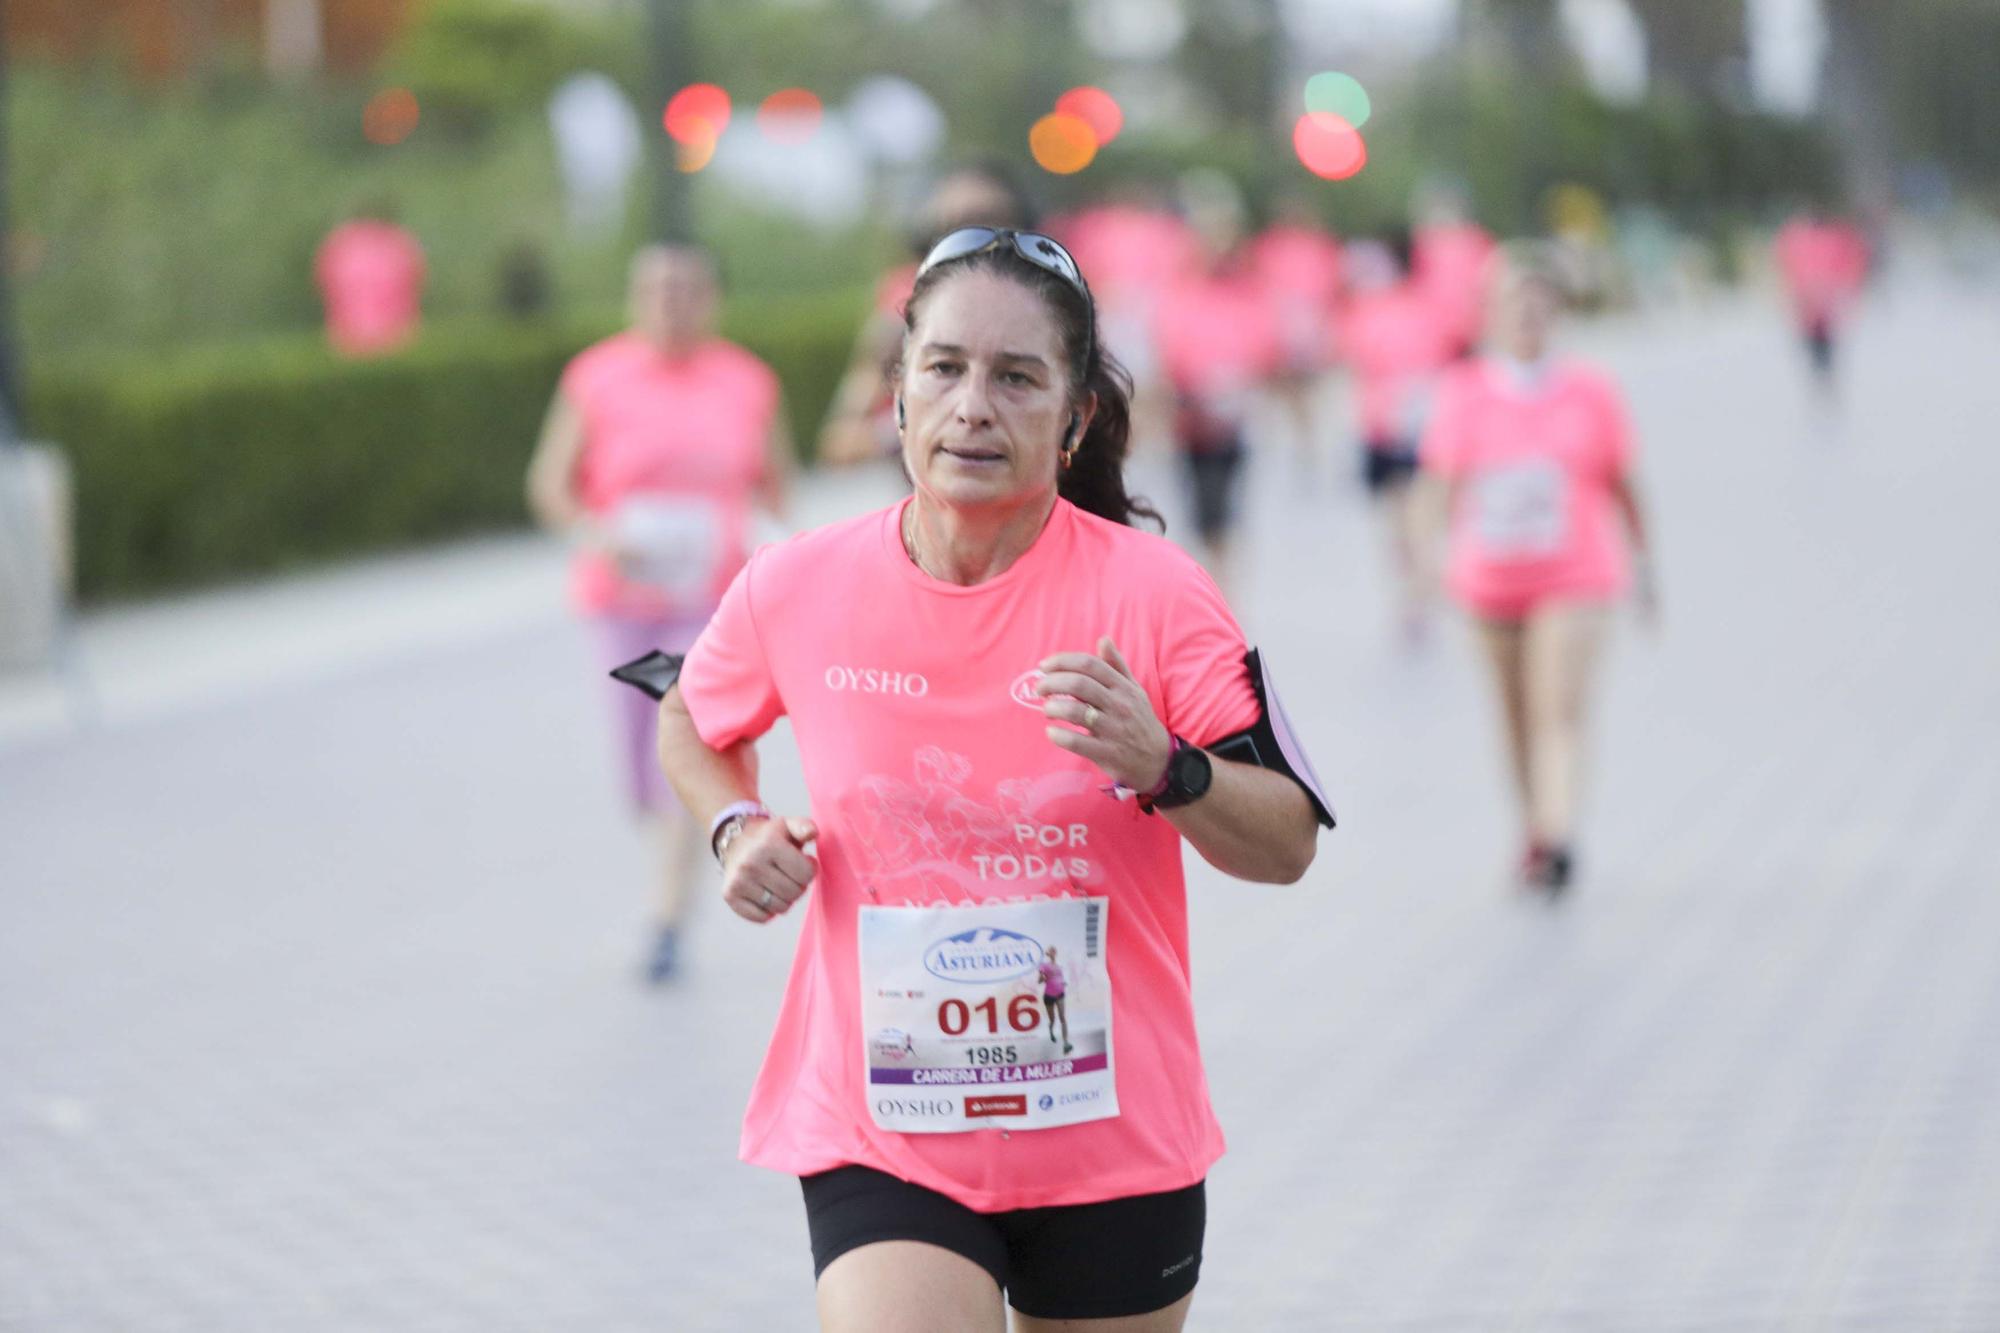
(1387, 465)
(1105, 1260)
(1212, 476)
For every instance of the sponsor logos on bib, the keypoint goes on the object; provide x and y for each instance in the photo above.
(920, 1106)
(1003, 1104)
(982, 956)
(874, 680)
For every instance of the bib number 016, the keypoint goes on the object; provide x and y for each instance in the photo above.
(954, 1017)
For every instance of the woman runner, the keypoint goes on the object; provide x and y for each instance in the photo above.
(1011, 707)
(1533, 455)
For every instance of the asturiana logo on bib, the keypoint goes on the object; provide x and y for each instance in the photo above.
(983, 955)
(873, 680)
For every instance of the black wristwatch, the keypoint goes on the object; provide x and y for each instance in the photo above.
(1186, 781)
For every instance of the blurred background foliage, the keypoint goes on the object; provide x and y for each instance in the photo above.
(167, 203)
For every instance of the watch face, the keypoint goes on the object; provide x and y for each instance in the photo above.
(1192, 773)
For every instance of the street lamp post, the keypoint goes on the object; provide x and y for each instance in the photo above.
(670, 39)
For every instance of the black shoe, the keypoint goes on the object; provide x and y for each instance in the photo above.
(1548, 868)
(1558, 868)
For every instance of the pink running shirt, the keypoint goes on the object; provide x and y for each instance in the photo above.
(1217, 334)
(1299, 269)
(932, 780)
(1449, 262)
(1534, 468)
(692, 432)
(371, 277)
(1052, 980)
(1823, 265)
(1397, 341)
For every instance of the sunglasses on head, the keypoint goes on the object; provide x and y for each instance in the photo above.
(1043, 252)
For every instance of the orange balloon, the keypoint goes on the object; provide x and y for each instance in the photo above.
(1062, 144)
(390, 117)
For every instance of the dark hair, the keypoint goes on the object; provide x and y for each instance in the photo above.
(1094, 479)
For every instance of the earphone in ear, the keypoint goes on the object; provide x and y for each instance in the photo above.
(901, 420)
(1075, 425)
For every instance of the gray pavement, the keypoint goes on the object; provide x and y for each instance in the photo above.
(317, 1007)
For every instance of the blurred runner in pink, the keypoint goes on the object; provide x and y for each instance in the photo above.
(1132, 248)
(1395, 340)
(371, 278)
(1450, 256)
(1220, 345)
(1298, 264)
(1532, 456)
(661, 443)
(1823, 261)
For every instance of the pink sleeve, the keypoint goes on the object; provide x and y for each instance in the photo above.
(726, 681)
(1443, 448)
(576, 379)
(1204, 681)
(1618, 441)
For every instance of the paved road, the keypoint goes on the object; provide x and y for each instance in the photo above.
(316, 999)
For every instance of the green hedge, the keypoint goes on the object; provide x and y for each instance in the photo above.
(227, 462)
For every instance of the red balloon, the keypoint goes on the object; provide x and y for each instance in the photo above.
(698, 113)
(1095, 108)
(1329, 146)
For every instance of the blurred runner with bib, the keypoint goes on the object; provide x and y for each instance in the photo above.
(661, 443)
(1532, 456)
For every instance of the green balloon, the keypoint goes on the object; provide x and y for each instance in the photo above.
(1341, 95)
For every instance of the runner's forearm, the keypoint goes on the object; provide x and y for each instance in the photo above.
(706, 780)
(1253, 823)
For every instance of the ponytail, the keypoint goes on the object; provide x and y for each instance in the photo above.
(1094, 478)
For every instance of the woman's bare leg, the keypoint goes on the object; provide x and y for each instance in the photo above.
(1504, 642)
(1562, 645)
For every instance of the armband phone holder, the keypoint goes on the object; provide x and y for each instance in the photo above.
(652, 675)
(1271, 743)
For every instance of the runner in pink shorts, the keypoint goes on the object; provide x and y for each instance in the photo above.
(1012, 707)
(1532, 455)
(660, 445)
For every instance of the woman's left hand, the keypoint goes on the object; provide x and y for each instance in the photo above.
(1100, 695)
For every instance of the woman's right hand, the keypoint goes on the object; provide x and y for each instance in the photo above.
(766, 868)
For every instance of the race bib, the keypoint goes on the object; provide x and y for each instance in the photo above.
(1522, 509)
(673, 544)
(989, 1016)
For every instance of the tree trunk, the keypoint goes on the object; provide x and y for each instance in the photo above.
(1527, 33)
(294, 42)
(670, 41)
(1698, 48)
(1856, 103)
